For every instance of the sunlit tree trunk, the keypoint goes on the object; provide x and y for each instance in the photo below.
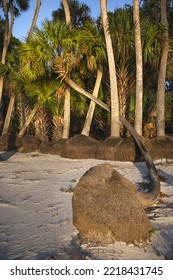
(9, 114)
(66, 122)
(76, 87)
(28, 121)
(66, 127)
(67, 11)
(34, 20)
(7, 38)
(160, 104)
(115, 125)
(139, 69)
(90, 113)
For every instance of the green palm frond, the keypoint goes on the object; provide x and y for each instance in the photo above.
(91, 46)
(152, 41)
(44, 93)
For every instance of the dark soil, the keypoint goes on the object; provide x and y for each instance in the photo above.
(81, 147)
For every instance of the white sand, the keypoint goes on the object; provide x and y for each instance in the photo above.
(36, 210)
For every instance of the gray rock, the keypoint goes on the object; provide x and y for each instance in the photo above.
(106, 209)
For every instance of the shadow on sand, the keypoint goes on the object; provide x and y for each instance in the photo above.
(6, 155)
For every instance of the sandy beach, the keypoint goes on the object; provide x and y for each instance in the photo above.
(36, 209)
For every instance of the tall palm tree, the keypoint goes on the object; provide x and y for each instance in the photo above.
(11, 10)
(115, 126)
(38, 53)
(160, 120)
(12, 97)
(92, 47)
(139, 69)
(122, 33)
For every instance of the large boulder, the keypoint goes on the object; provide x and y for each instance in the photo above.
(106, 209)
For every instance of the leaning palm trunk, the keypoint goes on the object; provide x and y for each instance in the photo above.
(150, 197)
(8, 115)
(23, 110)
(34, 20)
(76, 87)
(139, 69)
(90, 113)
(115, 126)
(28, 121)
(160, 104)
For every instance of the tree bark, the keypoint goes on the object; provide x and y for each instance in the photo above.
(67, 116)
(115, 125)
(8, 114)
(90, 113)
(66, 121)
(139, 69)
(72, 84)
(67, 11)
(34, 20)
(150, 197)
(7, 38)
(28, 121)
(160, 103)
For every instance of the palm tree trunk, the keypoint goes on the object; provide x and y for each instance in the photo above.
(115, 125)
(90, 113)
(139, 69)
(66, 122)
(160, 103)
(8, 115)
(34, 20)
(67, 11)
(28, 121)
(76, 87)
(150, 197)
(66, 127)
(7, 38)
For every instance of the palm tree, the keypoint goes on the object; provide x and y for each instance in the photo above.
(115, 126)
(92, 47)
(43, 94)
(160, 120)
(12, 98)
(90, 112)
(11, 9)
(38, 53)
(139, 69)
(122, 33)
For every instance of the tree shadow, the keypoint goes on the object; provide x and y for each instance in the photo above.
(165, 177)
(71, 251)
(4, 156)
